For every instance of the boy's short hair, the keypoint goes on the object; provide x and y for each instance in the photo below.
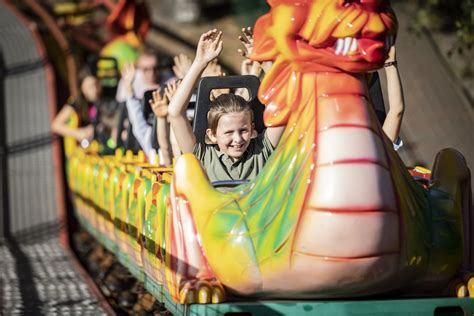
(226, 103)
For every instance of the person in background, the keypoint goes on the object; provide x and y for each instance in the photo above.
(159, 104)
(140, 128)
(248, 66)
(396, 101)
(146, 76)
(85, 107)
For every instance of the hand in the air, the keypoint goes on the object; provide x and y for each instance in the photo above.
(209, 46)
(213, 69)
(128, 73)
(247, 41)
(182, 63)
(159, 103)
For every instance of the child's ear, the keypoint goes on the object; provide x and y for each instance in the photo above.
(211, 136)
(254, 131)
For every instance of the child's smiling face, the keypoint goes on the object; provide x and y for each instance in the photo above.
(233, 134)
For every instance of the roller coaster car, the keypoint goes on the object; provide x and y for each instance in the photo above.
(333, 172)
(123, 203)
(333, 215)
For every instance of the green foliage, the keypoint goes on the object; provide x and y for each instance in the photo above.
(450, 16)
(248, 11)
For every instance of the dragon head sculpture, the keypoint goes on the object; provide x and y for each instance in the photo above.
(327, 35)
(318, 36)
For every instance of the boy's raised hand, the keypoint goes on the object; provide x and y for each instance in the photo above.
(209, 46)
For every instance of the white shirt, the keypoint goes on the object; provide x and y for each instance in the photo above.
(140, 128)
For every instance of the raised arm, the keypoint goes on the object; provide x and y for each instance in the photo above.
(274, 134)
(248, 66)
(255, 68)
(60, 126)
(396, 102)
(182, 63)
(128, 75)
(140, 128)
(209, 47)
(159, 105)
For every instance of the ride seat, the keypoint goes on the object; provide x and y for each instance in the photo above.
(129, 142)
(203, 101)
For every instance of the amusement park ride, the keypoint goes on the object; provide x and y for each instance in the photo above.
(334, 222)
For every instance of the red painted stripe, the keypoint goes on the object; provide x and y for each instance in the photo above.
(353, 161)
(345, 259)
(350, 211)
(348, 125)
(344, 125)
(332, 95)
(309, 188)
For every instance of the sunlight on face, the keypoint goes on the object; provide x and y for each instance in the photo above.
(233, 134)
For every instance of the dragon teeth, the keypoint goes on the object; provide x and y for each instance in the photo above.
(339, 46)
(345, 45)
(354, 45)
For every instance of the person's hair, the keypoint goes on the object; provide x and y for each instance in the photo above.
(224, 104)
(81, 103)
(147, 51)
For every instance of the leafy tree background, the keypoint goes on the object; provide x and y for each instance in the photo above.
(450, 16)
(454, 17)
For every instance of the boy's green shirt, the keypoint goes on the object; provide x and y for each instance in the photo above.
(220, 167)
